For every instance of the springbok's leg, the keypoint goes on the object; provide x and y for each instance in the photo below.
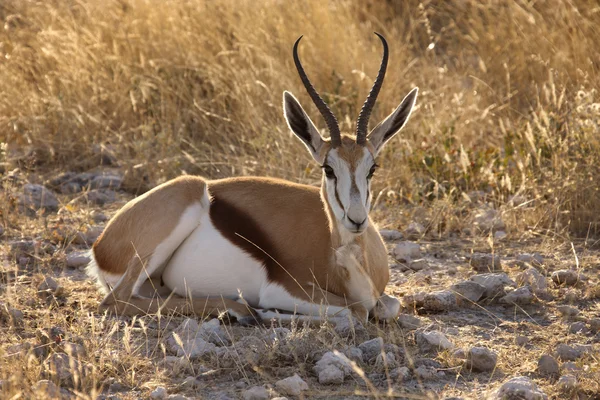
(313, 304)
(123, 301)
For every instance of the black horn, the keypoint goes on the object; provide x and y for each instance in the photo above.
(362, 124)
(330, 120)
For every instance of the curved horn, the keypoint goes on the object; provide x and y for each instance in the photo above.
(365, 113)
(330, 120)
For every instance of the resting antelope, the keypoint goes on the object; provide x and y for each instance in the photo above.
(250, 245)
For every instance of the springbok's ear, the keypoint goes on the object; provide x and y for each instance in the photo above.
(394, 122)
(300, 123)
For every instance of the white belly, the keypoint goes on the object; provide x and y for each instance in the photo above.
(207, 264)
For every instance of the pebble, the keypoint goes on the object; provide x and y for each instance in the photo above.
(371, 348)
(519, 387)
(386, 361)
(500, 235)
(1, 230)
(568, 311)
(413, 300)
(36, 197)
(433, 341)
(566, 352)
(566, 277)
(390, 234)
(331, 375)
(418, 265)
(494, 283)
(535, 279)
(49, 286)
(354, 354)
(159, 393)
(535, 259)
(406, 251)
(488, 220)
(177, 397)
(409, 322)
(59, 367)
(414, 230)
(481, 359)
(548, 366)
(192, 344)
(49, 389)
(520, 296)
(570, 366)
(425, 373)
(594, 325)
(348, 326)
(521, 340)
(442, 300)
(400, 374)
(106, 182)
(578, 327)
(486, 262)
(291, 386)
(572, 296)
(567, 382)
(77, 259)
(468, 291)
(100, 197)
(88, 236)
(332, 368)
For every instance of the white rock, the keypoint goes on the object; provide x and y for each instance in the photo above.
(212, 332)
(77, 259)
(255, 393)
(291, 386)
(418, 265)
(337, 360)
(468, 291)
(433, 341)
(442, 300)
(406, 251)
(371, 348)
(35, 197)
(521, 388)
(494, 283)
(481, 359)
(409, 322)
(567, 382)
(192, 344)
(521, 296)
(535, 279)
(159, 393)
(331, 375)
(390, 234)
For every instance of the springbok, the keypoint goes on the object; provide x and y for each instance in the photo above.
(257, 247)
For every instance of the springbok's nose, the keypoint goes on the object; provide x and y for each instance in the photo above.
(357, 224)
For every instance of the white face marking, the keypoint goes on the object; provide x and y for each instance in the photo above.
(349, 191)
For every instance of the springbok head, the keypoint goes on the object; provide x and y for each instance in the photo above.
(348, 161)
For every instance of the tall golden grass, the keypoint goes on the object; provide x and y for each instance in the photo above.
(508, 103)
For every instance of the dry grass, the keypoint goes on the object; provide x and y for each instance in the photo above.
(508, 101)
(508, 112)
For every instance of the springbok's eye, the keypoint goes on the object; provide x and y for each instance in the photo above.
(372, 171)
(328, 171)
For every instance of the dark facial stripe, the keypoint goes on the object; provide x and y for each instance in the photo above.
(337, 196)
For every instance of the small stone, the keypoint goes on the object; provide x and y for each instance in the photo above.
(521, 340)
(442, 300)
(60, 367)
(488, 220)
(1, 230)
(433, 341)
(212, 332)
(534, 279)
(425, 373)
(171, 397)
(371, 348)
(160, 393)
(406, 251)
(481, 359)
(568, 311)
(494, 283)
(400, 374)
(278, 334)
(548, 366)
(521, 296)
(47, 389)
(77, 259)
(348, 326)
(100, 197)
(567, 382)
(74, 350)
(390, 234)
(521, 388)
(331, 375)
(578, 327)
(573, 352)
(418, 265)
(500, 236)
(337, 360)
(291, 386)
(70, 188)
(409, 322)
(117, 387)
(415, 300)
(36, 197)
(192, 344)
(385, 361)
(570, 366)
(486, 262)
(572, 296)
(88, 236)
(468, 291)
(354, 354)
(459, 354)
(414, 230)
(106, 182)
(594, 325)
(49, 286)
(566, 277)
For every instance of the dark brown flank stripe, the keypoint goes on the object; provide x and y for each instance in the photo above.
(241, 230)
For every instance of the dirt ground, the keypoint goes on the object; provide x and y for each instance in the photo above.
(54, 343)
